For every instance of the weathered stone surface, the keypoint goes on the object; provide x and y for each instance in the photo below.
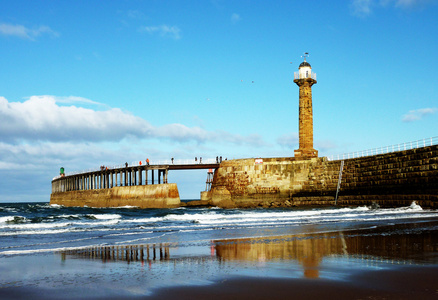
(142, 196)
(305, 150)
(393, 179)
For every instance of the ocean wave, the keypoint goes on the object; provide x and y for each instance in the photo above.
(104, 217)
(56, 206)
(34, 232)
(69, 217)
(144, 220)
(13, 220)
(27, 226)
(6, 219)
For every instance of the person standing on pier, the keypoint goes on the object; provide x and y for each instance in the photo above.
(147, 161)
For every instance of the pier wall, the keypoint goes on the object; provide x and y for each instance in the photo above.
(393, 179)
(142, 196)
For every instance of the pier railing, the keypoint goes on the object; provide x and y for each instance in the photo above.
(297, 75)
(388, 149)
(198, 160)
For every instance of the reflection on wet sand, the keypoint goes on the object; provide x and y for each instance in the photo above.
(310, 249)
(127, 253)
(398, 245)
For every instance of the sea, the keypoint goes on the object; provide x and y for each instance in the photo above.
(58, 248)
(27, 228)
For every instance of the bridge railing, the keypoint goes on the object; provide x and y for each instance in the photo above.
(388, 149)
(143, 162)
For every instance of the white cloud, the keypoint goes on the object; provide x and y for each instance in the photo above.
(75, 99)
(253, 140)
(135, 14)
(412, 3)
(418, 114)
(325, 145)
(40, 118)
(163, 30)
(364, 8)
(181, 132)
(43, 133)
(235, 18)
(26, 33)
(288, 140)
(361, 7)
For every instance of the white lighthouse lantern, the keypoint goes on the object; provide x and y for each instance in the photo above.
(305, 70)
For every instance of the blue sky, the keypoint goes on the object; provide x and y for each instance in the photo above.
(90, 83)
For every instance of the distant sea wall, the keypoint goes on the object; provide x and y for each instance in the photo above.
(142, 196)
(393, 179)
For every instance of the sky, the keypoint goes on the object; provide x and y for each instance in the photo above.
(91, 83)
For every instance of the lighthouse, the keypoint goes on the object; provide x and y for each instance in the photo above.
(305, 78)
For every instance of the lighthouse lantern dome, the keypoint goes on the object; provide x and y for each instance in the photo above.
(305, 70)
(305, 64)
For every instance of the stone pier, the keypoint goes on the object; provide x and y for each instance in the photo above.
(392, 179)
(129, 186)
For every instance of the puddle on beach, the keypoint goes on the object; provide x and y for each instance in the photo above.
(138, 269)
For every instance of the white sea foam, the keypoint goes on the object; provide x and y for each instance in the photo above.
(105, 217)
(127, 206)
(144, 220)
(267, 218)
(70, 216)
(28, 226)
(33, 232)
(9, 209)
(56, 206)
(35, 228)
(6, 219)
(218, 218)
(96, 223)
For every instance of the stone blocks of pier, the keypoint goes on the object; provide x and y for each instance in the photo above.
(141, 196)
(393, 179)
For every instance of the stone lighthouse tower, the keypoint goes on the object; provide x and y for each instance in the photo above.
(305, 78)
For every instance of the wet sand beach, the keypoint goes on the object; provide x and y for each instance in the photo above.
(401, 283)
(395, 261)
